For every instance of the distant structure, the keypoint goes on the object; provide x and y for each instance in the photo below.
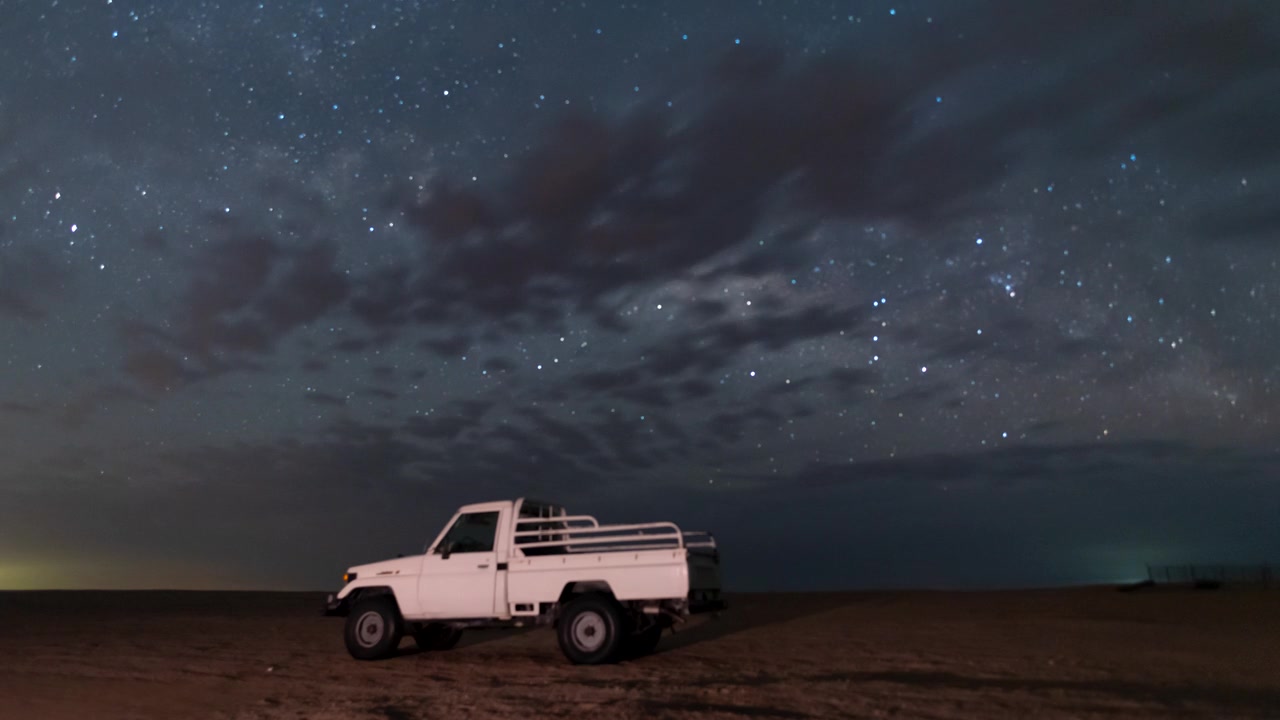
(1267, 576)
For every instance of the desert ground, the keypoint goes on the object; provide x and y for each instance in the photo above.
(1078, 653)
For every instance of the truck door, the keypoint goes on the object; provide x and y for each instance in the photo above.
(458, 574)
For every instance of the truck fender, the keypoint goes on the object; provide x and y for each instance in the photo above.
(342, 603)
(580, 587)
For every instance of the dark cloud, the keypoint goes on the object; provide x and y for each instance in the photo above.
(499, 365)
(153, 241)
(245, 293)
(609, 380)
(1137, 463)
(382, 372)
(381, 393)
(674, 368)
(567, 439)
(771, 147)
(17, 408)
(708, 348)
(729, 428)
(461, 416)
(157, 370)
(322, 398)
(1253, 218)
(449, 347)
(383, 299)
(606, 204)
(29, 278)
(654, 396)
(849, 379)
(694, 389)
(468, 440)
(76, 413)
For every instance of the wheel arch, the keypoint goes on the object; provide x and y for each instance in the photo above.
(576, 589)
(582, 587)
(361, 594)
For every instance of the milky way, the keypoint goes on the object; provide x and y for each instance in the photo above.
(961, 295)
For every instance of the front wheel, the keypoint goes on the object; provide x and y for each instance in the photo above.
(373, 629)
(590, 630)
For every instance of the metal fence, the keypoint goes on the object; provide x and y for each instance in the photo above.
(1234, 575)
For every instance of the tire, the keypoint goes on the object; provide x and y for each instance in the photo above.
(437, 636)
(591, 630)
(374, 628)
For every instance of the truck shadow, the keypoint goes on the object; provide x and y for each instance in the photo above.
(488, 635)
(749, 611)
(470, 638)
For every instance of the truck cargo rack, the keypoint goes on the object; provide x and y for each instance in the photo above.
(585, 534)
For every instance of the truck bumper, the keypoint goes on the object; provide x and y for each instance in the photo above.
(335, 607)
(705, 601)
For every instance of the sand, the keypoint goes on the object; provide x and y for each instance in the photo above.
(1076, 653)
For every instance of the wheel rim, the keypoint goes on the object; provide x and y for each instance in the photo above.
(589, 631)
(370, 629)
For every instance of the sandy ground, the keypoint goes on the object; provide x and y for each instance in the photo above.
(1045, 654)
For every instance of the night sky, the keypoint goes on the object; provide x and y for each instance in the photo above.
(882, 293)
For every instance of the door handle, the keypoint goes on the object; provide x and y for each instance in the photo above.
(483, 566)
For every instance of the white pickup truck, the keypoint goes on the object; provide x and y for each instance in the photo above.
(609, 590)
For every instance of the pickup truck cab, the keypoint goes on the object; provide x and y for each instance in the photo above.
(608, 590)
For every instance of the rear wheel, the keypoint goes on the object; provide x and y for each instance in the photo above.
(373, 628)
(591, 630)
(437, 636)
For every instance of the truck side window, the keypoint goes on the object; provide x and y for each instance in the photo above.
(472, 533)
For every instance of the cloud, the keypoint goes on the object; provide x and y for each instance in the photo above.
(729, 428)
(29, 278)
(380, 393)
(1141, 464)
(245, 293)
(323, 398)
(709, 347)
(606, 204)
(77, 412)
(761, 146)
(470, 440)
(1252, 218)
(460, 416)
(18, 408)
(943, 519)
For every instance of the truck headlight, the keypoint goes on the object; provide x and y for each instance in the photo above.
(348, 577)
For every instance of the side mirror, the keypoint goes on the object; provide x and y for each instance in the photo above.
(445, 549)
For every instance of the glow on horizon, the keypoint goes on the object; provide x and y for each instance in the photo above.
(114, 574)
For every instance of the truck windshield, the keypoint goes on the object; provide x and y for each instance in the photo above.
(472, 533)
